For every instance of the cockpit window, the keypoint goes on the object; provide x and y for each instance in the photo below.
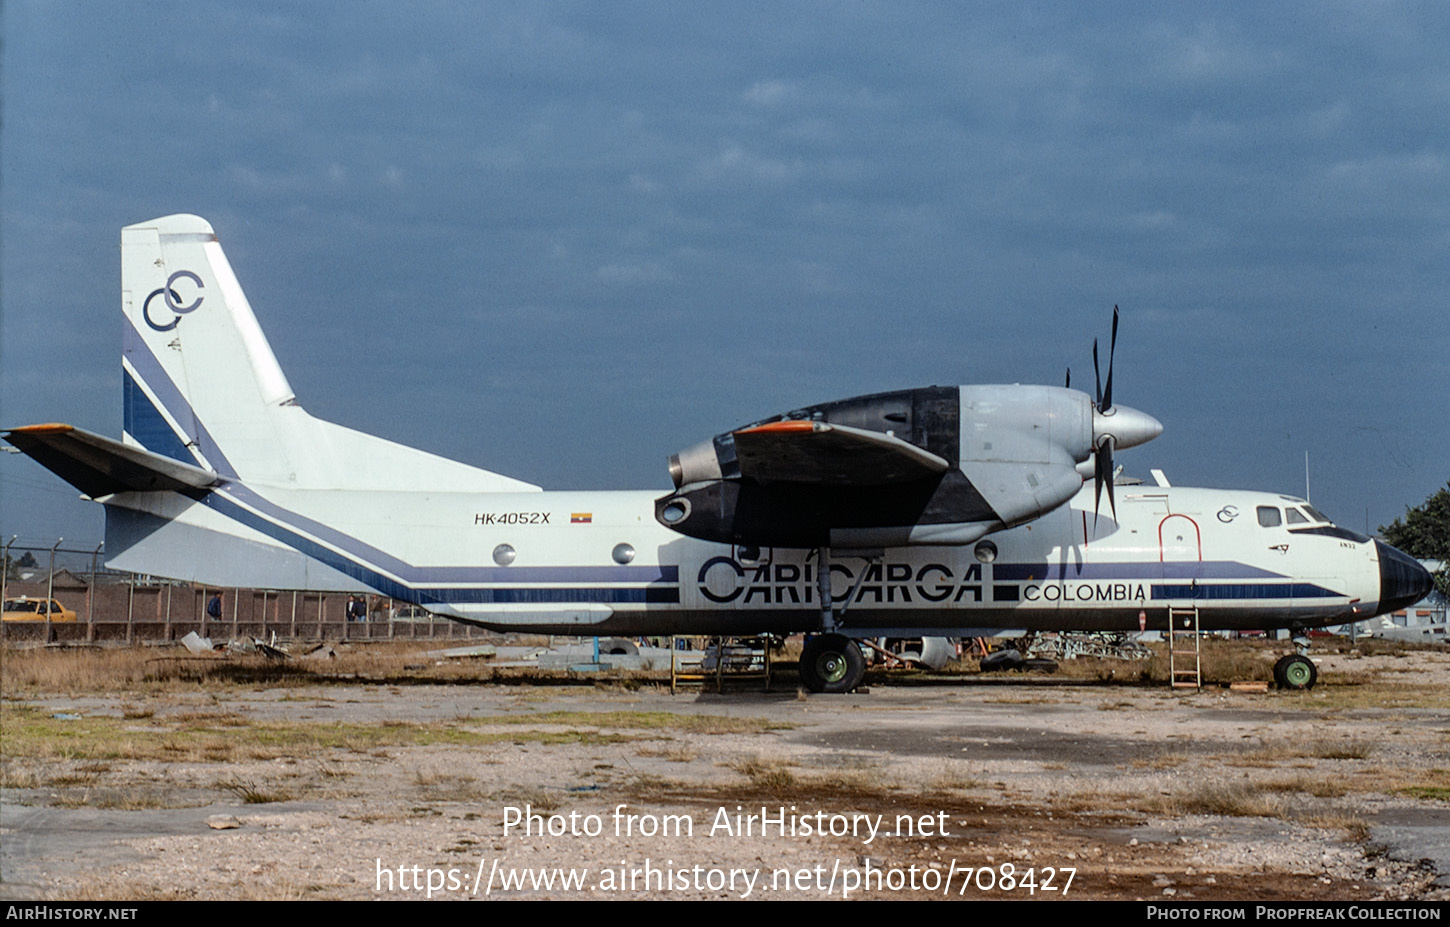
(1315, 513)
(1269, 516)
(1295, 517)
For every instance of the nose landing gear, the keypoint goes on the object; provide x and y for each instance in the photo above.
(1296, 671)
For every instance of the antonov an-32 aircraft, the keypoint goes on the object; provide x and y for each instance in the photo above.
(940, 511)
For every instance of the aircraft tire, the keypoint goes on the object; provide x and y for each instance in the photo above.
(832, 663)
(1295, 672)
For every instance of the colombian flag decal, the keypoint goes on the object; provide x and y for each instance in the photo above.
(581, 518)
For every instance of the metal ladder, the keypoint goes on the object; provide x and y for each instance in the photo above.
(1185, 662)
(735, 659)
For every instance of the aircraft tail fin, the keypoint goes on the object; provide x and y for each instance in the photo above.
(202, 386)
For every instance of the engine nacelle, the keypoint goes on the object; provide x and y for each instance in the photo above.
(937, 465)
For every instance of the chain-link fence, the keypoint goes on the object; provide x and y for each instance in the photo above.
(63, 593)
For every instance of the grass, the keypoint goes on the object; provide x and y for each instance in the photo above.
(674, 754)
(768, 774)
(1378, 695)
(253, 794)
(1228, 799)
(1317, 786)
(123, 799)
(220, 737)
(164, 669)
(1275, 754)
(1436, 788)
(444, 786)
(1355, 828)
(952, 778)
(1168, 760)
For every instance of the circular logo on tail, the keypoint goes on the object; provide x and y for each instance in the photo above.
(172, 299)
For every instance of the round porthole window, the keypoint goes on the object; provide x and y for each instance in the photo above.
(986, 551)
(623, 553)
(504, 554)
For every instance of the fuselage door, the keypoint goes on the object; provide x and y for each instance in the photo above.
(1180, 552)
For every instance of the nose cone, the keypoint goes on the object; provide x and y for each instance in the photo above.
(1402, 580)
(1127, 427)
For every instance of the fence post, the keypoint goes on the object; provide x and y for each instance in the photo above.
(91, 596)
(50, 594)
(130, 607)
(5, 572)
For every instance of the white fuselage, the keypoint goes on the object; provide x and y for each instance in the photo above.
(561, 562)
(222, 477)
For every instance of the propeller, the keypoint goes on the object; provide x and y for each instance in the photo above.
(1103, 443)
(1113, 427)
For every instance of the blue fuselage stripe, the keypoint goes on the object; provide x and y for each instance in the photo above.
(663, 576)
(1244, 591)
(1172, 569)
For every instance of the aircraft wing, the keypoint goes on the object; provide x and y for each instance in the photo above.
(99, 466)
(832, 454)
(935, 465)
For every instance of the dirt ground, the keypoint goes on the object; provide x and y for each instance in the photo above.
(452, 788)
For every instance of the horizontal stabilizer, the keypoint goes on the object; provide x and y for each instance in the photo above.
(820, 452)
(99, 466)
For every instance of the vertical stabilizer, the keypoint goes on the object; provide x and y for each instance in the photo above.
(202, 385)
(196, 363)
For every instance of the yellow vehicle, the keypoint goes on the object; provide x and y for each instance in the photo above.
(28, 609)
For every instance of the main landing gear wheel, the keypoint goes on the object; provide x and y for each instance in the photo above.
(1295, 672)
(832, 663)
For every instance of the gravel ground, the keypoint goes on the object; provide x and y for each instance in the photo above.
(962, 790)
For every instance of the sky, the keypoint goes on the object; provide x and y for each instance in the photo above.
(562, 241)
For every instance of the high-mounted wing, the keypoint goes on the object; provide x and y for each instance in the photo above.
(938, 465)
(819, 452)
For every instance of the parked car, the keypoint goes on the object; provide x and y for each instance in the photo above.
(28, 609)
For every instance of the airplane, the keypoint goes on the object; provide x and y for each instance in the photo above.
(938, 511)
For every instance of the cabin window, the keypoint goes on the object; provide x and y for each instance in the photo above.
(1269, 516)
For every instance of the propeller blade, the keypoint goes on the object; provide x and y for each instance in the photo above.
(1103, 474)
(1097, 488)
(1112, 506)
(1097, 396)
(1107, 397)
(1067, 381)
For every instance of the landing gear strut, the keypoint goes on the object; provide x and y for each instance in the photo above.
(832, 663)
